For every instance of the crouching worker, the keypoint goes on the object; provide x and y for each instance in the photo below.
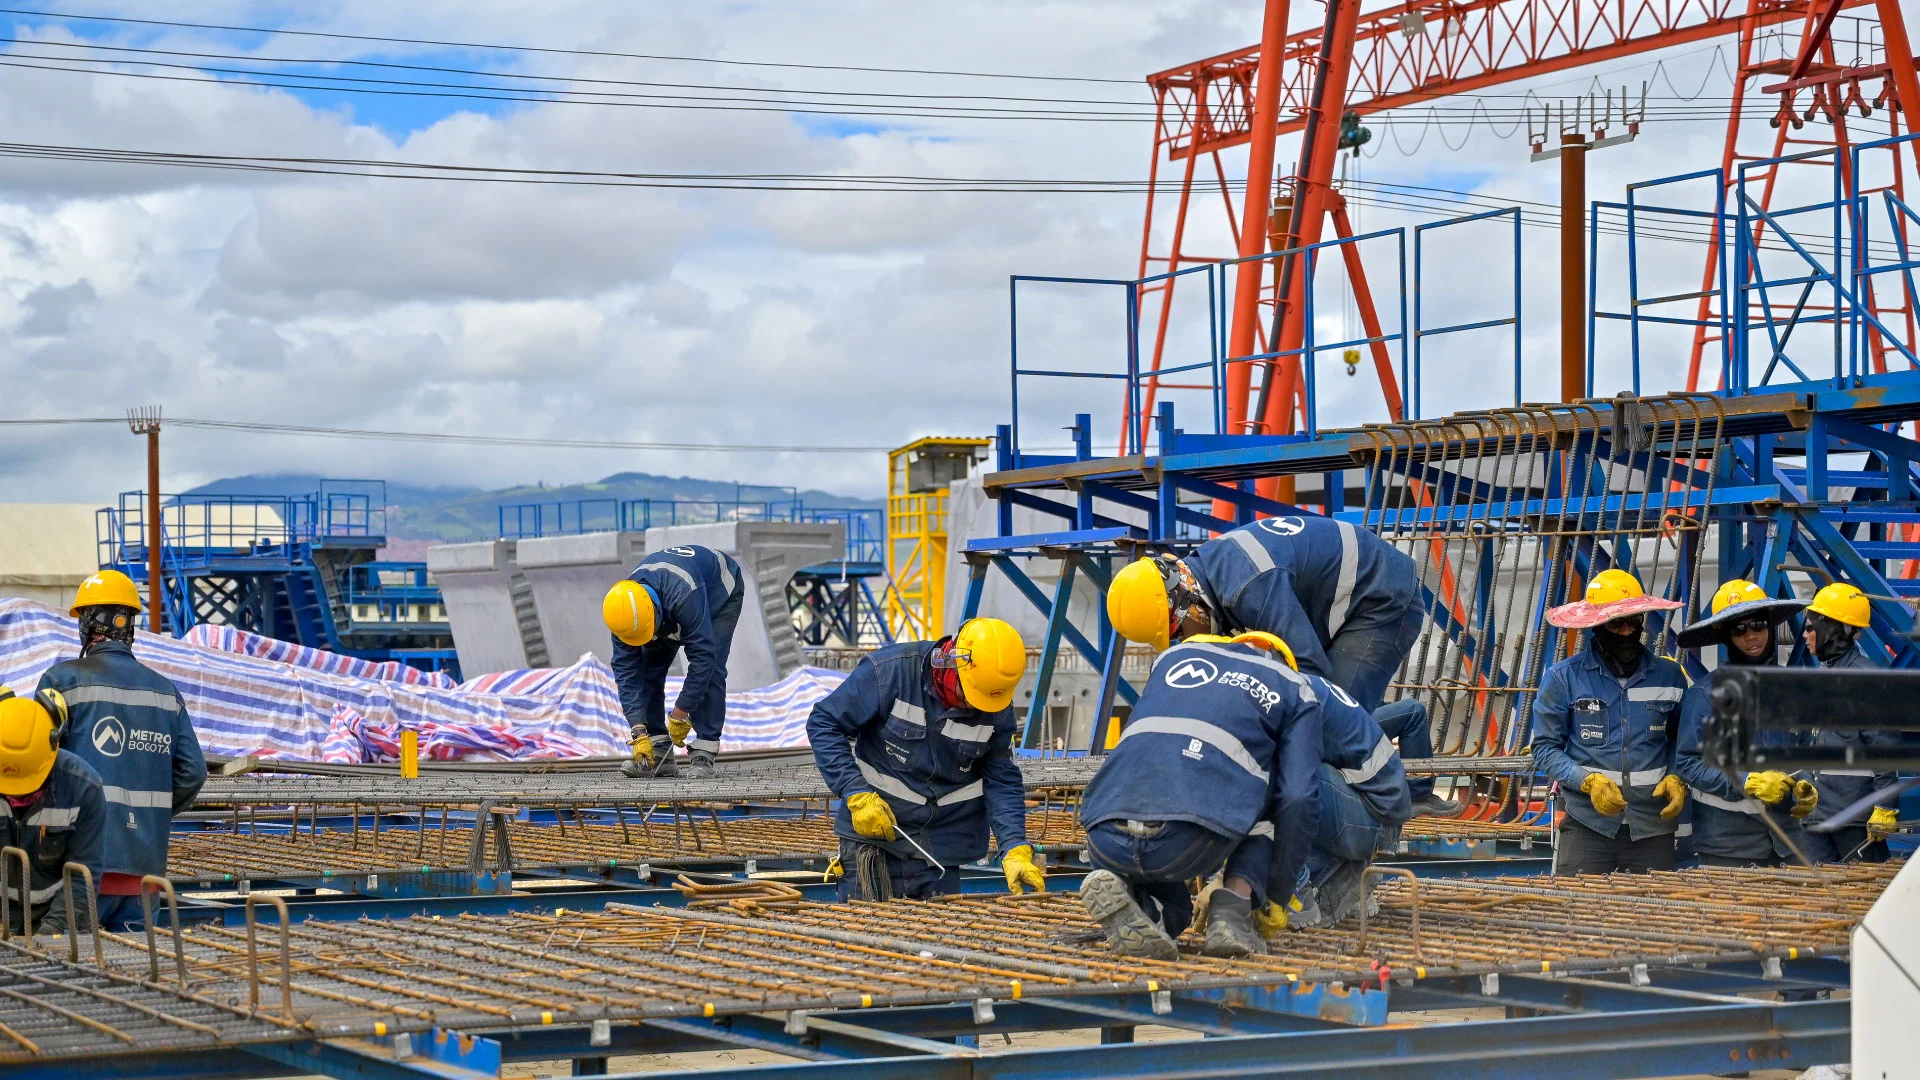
(52, 809)
(918, 743)
(1216, 771)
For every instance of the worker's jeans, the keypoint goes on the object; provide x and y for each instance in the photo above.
(1584, 851)
(1157, 867)
(907, 879)
(1348, 830)
(1370, 647)
(1406, 723)
(709, 715)
(1847, 844)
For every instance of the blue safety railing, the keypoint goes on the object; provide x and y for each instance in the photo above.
(865, 525)
(1210, 371)
(390, 583)
(197, 528)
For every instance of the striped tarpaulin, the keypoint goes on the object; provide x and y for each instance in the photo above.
(304, 703)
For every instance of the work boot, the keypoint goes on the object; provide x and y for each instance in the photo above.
(1129, 931)
(700, 764)
(1339, 895)
(1433, 804)
(1230, 929)
(664, 767)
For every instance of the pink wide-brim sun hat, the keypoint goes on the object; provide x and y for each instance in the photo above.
(1580, 615)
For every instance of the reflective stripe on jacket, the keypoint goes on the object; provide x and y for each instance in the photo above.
(1302, 577)
(1587, 720)
(1726, 821)
(946, 773)
(65, 826)
(130, 724)
(690, 582)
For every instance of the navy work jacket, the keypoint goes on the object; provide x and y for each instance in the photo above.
(1727, 822)
(1588, 720)
(691, 582)
(946, 773)
(130, 724)
(64, 826)
(1841, 788)
(1302, 577)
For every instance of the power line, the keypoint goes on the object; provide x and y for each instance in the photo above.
(450, 438)
(556, 51)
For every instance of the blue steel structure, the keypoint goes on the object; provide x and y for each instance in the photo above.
(1797, 466)
(300, 568)
(843, 598)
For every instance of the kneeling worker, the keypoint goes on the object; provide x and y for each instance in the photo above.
(1604, 726)
(1217, 770)
(1730, 821)
(53, 808)
(678, 598)
(918, 743)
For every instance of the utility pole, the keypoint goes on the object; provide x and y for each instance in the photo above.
(146, 421)
(1582, 128)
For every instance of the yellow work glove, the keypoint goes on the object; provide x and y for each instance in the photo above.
(1604, 793)
(678, 730)
(1018, 865)
(1805, 798)
(1272, 919)
(1674, 791)
(1881, 824)
(642, 747)
(1769, 787)
(871, 815)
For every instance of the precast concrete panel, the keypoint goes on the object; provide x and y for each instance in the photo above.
(569, 576)
(489, 606)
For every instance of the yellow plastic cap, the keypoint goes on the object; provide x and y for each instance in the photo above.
(990, 658)
(1137, 604)
(26, 745)
(1737, 591)
(1613, 586)
(1842, 602)
(629, 613)
(104, 588)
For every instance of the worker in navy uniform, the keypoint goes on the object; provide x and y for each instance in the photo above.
(678, 598)
(1604, 727)
(130, 724)
(1348, 602)
(52, 810)
(1218, 771)
(1731, 814)
(1832, 634)
(917, 744)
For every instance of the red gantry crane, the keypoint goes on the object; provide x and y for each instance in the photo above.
(1419, 52)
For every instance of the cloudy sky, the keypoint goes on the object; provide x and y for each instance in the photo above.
(700, 316)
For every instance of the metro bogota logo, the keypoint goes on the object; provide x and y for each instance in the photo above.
(1191, 672)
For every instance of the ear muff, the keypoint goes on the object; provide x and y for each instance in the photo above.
(56, 705)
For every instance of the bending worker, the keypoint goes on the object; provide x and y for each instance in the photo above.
(918, 743)
(1218, 770)
(52, 810)
(678, 598)
(1604, 727)
(1347, 599)
(130, 724)
(1731, 816)
(1832, 634)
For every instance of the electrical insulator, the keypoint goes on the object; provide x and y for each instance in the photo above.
(1352, 357)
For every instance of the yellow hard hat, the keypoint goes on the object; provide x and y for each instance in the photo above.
(629, 612)
(1613, 586)
(29, 739)
(1137, 604)
(990, 658)
(1270, 642)
(104, 588)
(1737, 591)
(1842, 602)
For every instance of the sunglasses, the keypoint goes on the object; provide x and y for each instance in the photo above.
(1750, 626)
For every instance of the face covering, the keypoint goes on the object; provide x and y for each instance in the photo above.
(1620, 651)
(1834, 639)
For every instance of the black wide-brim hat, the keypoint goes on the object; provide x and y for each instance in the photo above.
(1712, 631)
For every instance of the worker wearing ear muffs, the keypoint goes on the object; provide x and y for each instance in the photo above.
(129, 722)
(50, 808)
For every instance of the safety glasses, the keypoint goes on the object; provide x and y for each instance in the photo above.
(1750, 626)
